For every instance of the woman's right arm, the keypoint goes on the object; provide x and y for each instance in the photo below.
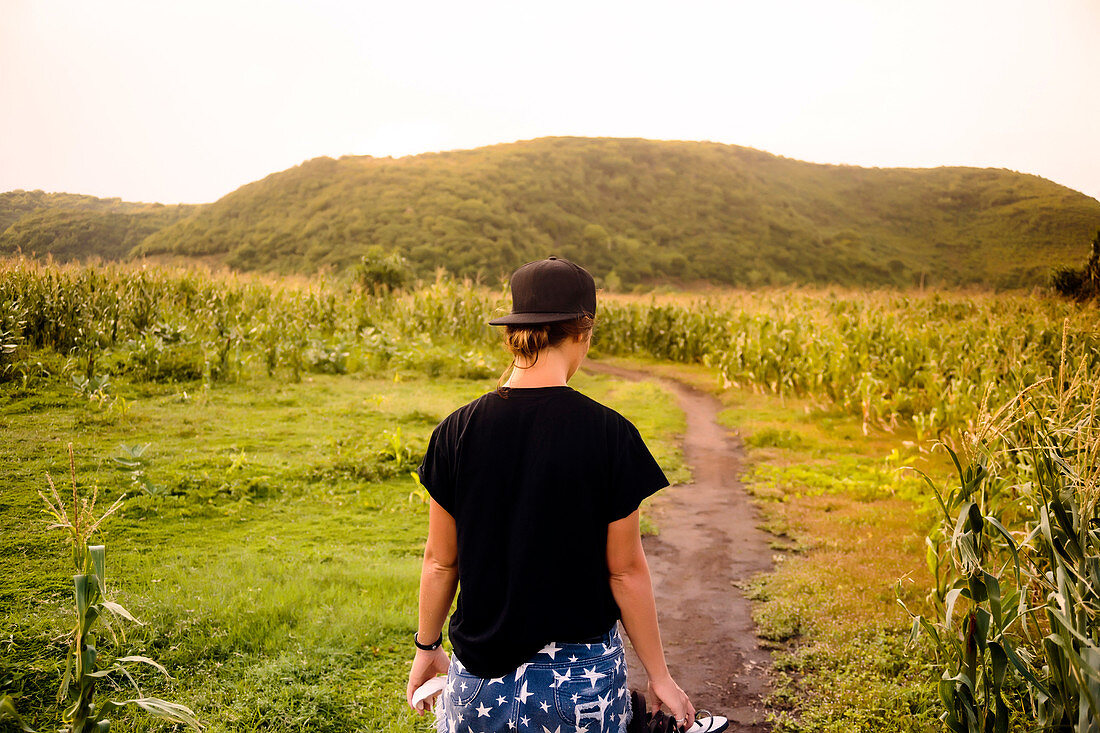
(438, 582)
(633, 591)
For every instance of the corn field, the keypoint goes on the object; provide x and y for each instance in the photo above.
(890, 358)
(925, 360)
(177, 325)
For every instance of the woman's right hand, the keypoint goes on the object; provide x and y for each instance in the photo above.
(426, 664)
(664, 694)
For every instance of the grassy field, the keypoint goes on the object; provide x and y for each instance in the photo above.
(275, 564)
(277, 574)
(272, 538)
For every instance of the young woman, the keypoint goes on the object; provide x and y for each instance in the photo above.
(534, 511)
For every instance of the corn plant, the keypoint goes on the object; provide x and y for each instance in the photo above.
(95, 389)
(132, 458)
(12, 320)
(1028, 645)
(397, 454)
(967, 558)
(1060, 444)
(419, 494)
(83, 668)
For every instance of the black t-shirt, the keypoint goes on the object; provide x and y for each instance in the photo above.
(532, 482)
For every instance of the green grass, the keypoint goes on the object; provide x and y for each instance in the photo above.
(847, 526)
(276, 576)
(850, 525)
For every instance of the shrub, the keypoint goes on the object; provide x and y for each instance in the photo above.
(1083, 284)
(378, 270)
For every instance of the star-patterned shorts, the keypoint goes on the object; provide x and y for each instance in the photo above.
(564, 688)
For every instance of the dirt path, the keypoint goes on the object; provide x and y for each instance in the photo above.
(708, 541)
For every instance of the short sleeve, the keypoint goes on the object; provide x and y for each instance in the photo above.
(634, 473)
(435, 472)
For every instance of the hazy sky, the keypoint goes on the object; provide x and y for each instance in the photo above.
(186, 101)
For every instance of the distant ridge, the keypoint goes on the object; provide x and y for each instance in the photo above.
(631, 210)
(73, 226)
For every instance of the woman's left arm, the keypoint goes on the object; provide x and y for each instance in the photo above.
(438, 582)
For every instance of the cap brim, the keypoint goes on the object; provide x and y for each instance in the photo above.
(530, 319)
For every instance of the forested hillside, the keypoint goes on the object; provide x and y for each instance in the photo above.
(632, 211)
(17, 204)
(72, 226)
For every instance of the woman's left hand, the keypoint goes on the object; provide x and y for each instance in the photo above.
(425, 666)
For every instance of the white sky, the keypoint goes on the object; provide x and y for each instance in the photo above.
(186, 101)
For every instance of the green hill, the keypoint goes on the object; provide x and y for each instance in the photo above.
(72, 226)
(641, 211)
(17, 204)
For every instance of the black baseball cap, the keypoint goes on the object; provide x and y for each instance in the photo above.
(549, 291)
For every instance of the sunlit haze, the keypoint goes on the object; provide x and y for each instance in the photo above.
(187, 101)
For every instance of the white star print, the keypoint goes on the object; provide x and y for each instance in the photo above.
(525, 721)
(500, 699)
(511, 725)
(582, 729)
(524, 694)
(544, 706)
(450, 685)
(575, 697)
(559, 679)
(573, 658)
(550, 649)
(592, 675)
(520, 670)
(464, 686)
(496, 681)
(547, 730)
(482, 711)
(603, 702)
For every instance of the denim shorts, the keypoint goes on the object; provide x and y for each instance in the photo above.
(564, 687)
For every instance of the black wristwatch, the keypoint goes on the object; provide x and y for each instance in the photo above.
(427, 647)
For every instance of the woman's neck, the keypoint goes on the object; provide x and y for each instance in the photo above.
(550, 370)
(521, 379)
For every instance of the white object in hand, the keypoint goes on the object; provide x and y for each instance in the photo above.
(709, 723)
(422, 697)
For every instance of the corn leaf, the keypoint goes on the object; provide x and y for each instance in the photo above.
(170, 711)
(8, 712)
(118, 610)
(145, 660)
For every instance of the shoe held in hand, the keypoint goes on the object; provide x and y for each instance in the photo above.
(425, 695)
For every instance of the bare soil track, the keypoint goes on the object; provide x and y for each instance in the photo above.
(708, 542)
